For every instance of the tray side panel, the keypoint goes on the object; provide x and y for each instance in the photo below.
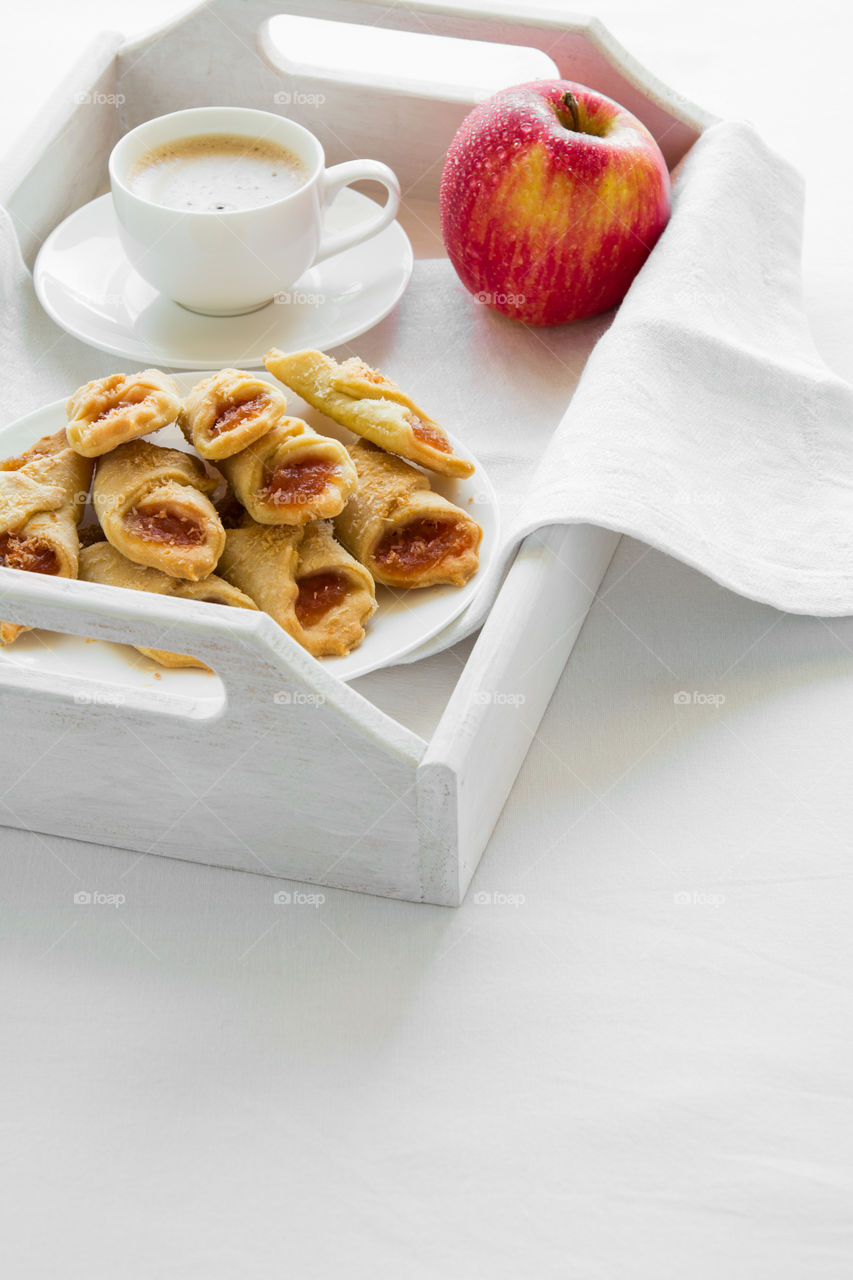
(292, 774)
(495, 711)
(309, 801)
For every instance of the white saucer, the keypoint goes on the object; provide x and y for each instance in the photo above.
(85, 283)
(404, 621)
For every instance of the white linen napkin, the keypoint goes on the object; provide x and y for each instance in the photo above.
(704, 423)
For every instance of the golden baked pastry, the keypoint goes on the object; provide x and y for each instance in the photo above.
(229, 411)
(403, 532)
(305, 580)
(44, 539)
(261, 560)
(27, 483)
(291, 475)
(336, 594)
(370, 405)
(110, 411)
(153, 508)
(102, 563)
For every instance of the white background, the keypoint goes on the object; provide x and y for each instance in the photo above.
(641, 1067)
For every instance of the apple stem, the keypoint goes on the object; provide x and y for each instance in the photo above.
(570, 102)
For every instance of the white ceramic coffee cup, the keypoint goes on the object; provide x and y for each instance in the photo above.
(229, 263)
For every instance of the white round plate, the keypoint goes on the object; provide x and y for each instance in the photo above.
(86, 284)
(404, 621)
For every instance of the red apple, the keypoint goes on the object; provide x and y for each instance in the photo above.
(552, 198)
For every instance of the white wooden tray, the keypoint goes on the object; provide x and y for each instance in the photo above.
(288, 771)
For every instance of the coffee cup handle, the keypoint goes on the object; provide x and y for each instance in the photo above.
(340, 176)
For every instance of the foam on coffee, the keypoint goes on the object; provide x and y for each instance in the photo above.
(217, 173)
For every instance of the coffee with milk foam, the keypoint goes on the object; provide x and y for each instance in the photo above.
(217, 173)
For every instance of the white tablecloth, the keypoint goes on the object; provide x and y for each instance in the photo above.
(632, 1059)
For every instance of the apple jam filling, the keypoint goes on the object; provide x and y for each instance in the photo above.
(428, 434)
(113, 408)
(162, 523)
(32, 554)
(318, 594)
(423, 544)
(292, 484)
(232, 415)
(131, 401)
(39, 450)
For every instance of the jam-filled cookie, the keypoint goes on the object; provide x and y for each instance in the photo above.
(110, 411)
(153, 507)
(229, 411)
(42, 498)
(305, 580)
(370, 405)
(401, 530)
(291, 475)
